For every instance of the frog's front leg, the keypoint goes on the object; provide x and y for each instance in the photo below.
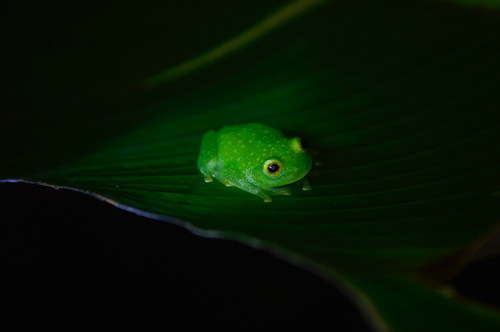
(226, 182)
(208, 177)
(281, 191)
(257, 191)
(266, 198)
(253, 189)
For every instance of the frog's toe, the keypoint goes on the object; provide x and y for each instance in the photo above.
(306, 185)
(209, 179)
(265, 198)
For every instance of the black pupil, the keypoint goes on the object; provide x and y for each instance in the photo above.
(303, 143)
(273, 168)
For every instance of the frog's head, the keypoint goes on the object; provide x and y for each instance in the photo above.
(288, 163)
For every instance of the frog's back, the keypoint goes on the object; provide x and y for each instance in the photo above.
(249, 130)
(244, 144)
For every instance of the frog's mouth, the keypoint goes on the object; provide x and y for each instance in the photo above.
(284, 186)
(294, 182)
(290, 185)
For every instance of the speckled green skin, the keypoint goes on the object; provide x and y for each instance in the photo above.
(236, 155)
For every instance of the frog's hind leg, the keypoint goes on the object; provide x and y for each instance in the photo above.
(209, 172)
(207, 161)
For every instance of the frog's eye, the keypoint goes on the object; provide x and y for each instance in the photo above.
(273, 167)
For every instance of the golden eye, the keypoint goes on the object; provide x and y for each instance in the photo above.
(273, 167)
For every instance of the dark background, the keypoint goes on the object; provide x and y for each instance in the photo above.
(231, 285)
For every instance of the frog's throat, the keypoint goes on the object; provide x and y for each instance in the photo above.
(291, 182)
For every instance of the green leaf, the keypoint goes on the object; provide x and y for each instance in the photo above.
(399, 98)
(415, 306)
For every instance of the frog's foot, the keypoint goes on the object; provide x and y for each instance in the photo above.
(209, 179)
(306, 185)
(282, 191)
(265, 198)
(227, 183)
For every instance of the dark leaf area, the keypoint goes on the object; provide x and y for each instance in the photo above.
(231, 285)
(65, 231)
